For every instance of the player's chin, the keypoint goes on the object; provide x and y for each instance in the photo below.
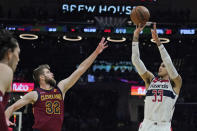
(159, 74)
(14, 67)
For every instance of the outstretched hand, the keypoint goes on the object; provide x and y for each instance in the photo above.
(9, 123)
(137, 31)
(155, 35)
(102, 45)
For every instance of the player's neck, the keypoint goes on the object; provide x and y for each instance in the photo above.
(164, 77)
(4, 61)
(45, 86)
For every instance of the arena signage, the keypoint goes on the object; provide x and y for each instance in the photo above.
(22, 87)
(138, 90)
(97, 9)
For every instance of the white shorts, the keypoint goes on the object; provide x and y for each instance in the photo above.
(148, 125)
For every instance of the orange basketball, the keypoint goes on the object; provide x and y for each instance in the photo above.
(140, 14)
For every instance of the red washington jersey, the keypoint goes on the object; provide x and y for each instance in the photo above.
(3, 102)
(48, 110)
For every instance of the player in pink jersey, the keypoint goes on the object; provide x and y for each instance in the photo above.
(9, 57)
(162, 91)
(48, 99)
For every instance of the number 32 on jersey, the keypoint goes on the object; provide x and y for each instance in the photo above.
(52, 107)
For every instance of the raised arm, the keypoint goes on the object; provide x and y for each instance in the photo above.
(167, 61)
(146, 75)
(67, 83)
(30, 97)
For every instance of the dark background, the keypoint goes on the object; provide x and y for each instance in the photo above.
(105, 104)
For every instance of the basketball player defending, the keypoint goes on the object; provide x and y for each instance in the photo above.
(162, 91)
(48, 99)
(9, 57)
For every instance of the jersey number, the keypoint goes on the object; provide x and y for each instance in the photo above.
(53, 107)
(157, 93)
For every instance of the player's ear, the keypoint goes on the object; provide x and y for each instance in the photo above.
(41, 77)
(9, 54)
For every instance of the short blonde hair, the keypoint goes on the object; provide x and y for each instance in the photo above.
(39, 71)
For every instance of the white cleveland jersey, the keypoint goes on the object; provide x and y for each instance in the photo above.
(160, 101)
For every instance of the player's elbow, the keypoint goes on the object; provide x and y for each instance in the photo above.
(81, 70)
(134, 59)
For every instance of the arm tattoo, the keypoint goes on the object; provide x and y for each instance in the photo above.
(135, 39)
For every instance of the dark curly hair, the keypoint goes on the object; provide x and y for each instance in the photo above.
(7, 41)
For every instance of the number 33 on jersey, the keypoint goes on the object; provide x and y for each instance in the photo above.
(160, 101)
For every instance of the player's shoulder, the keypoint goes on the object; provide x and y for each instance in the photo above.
(33, 95)
(33, 92)
(5, 70)
(6, 75)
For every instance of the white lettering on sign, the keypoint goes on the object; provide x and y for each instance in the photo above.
(141, 91)
(90, 8)
(20, 87)
(97, 8)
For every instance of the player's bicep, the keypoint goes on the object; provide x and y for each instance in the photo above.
(147, 77)
(63, 85)
(67, 83)
(177, 84)
(178, 81)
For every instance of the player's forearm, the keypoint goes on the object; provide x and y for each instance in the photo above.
(9, 111)
(135, 37)
(167, 62)
(66, 84)
(136, 58)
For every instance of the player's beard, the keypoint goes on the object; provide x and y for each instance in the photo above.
(50, 81)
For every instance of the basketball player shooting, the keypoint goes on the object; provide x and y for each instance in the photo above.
(9, 58)
(162, 91)
(48, 98)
